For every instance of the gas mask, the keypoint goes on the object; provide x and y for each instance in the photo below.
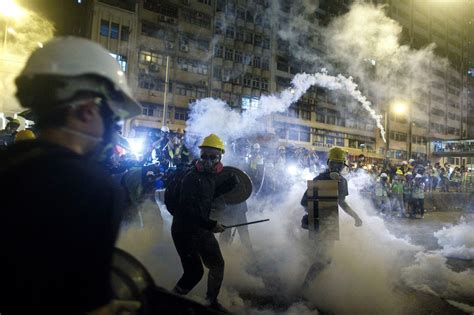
(335, 169)
(209, 161)
(104, 149)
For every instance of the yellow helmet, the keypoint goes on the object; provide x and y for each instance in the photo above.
(337, 154)
(399, 172)
(24, 135)
(213, 141)
(180, 131)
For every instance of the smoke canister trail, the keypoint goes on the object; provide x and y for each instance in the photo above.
(204, 112)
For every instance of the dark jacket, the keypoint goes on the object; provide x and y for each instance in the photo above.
(196, 195)
(58, 226)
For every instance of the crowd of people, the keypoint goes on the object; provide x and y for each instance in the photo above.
(465, 146)
(62, 209)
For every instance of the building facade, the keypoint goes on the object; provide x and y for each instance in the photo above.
(228, 49)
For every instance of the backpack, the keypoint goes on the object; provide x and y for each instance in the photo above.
(173, 188)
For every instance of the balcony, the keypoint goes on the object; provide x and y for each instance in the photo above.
(453, 148)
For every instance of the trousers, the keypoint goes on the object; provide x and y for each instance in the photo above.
(194, 249)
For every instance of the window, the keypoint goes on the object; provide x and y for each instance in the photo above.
(282, 64)
(257, 62)
(218, 51)
(249, 16)
(217, 75)
(226, 75)
(229, 54)
(238, 56)
(230, 32)
(180, 114)
(306, 115)
(264, 84)
(266, 43)
(257, 41)
(151, 58)
(398, 136)
(148, 109)
(125, 33)
(256, 82)
(104, 28)
(196, 18)
(218, 28)
(149, 82)
(201, 92)
(207, 2)
(265, 64)
(114, 31)
(247, 59)
(192, 66)
(122, 61)
(249, 103)
(239, 35)
(248, 38)
(248, 80)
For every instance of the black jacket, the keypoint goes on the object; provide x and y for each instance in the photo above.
(59, 221)
(196, 195)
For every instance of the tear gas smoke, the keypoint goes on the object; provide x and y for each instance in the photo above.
(366, 261)
(364, 43)
(29, 32)
(457, 241)
(214, 116)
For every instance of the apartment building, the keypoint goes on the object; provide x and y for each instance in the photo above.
(228, 49)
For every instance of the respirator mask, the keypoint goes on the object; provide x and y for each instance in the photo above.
(335, 168)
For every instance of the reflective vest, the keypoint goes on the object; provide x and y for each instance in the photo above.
(381, 190)
(418, 191)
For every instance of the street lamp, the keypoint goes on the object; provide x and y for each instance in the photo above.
(11, 11)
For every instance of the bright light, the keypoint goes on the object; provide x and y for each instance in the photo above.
(11, 30)
(136, 145)
(399, 108)
(10, 9)
(292, 170)
(40, 45)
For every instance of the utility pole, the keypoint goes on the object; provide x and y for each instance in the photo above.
(166, 92)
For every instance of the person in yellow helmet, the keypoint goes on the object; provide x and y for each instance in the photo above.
(336, 163)
(193, 230)
(23, 135)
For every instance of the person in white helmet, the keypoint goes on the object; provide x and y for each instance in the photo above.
(418, 197)
(382, 192)
(60, 218)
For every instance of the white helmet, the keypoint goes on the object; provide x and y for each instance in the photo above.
(418, 176)
(165, 129)
(256, 146)
(411, 161)
(383, 175)
(73, 57)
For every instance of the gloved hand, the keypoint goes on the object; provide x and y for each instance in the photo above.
(219, 228)
(358, 222)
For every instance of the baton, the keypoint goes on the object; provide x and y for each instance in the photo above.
(248, 223)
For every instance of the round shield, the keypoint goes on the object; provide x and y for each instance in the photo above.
(242, 191)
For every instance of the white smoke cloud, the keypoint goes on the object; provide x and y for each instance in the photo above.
(457, 241)
(366, 261)
(215, 116)
(25, 35)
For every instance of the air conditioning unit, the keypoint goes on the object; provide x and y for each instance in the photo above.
(154, 67)
(184, 47)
